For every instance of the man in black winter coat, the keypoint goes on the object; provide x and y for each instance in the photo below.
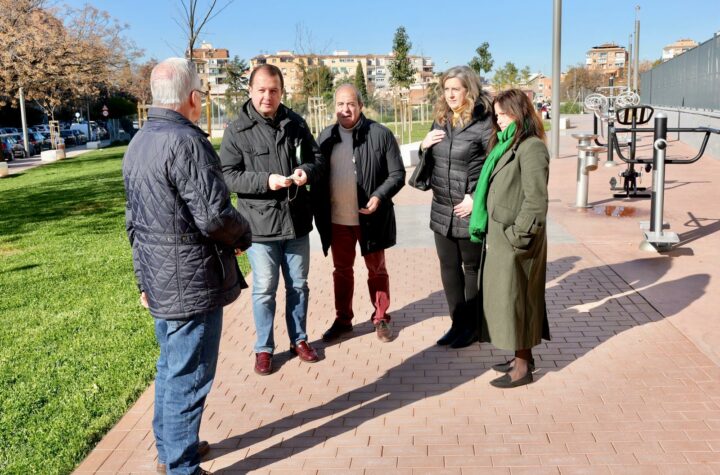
(184, 234)
(269, 159)
(355, 205)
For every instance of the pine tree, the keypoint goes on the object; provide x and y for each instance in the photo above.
(360, 82)
(482, 62)
(402, 71)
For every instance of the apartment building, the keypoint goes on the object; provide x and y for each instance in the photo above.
(343, 65)
(608, 58)
(679, 47)
(210, 63)
(541, 87)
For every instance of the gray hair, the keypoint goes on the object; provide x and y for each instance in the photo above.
(172, 81)
(349, 86)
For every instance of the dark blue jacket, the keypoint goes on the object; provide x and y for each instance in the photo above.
(181, 224)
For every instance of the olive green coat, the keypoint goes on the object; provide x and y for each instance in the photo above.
(513, 273)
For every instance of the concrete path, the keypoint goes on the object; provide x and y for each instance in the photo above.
(630, 382)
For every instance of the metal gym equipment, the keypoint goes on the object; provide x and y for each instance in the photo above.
(633, 116)
(655, 236)
(587, 162)
(603, 107)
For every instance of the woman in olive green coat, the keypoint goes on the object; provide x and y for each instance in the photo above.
(513, 224)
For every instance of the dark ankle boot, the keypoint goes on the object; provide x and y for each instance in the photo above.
(465, 338)
(450, 336)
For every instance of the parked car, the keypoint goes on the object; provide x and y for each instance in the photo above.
(80, 138)
(38, 141)
(69, 137)
(33, 147)
(6, 147)
(83, 128)
(16, 145)
(48, 139)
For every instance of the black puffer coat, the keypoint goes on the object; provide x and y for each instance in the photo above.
(457, 161)
(252, 149)
(181, 224)
(379, 171)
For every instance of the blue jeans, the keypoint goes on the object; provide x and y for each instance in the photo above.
(185, 373)
(266, 260)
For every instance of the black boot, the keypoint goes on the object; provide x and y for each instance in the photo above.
(466, 337)
(450, 336)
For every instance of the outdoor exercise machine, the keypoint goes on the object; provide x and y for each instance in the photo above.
(604, 118)
(633, 116)
(655, 236)
(587, 162)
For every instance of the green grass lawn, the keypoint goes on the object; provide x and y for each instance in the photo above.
(76, 348)
(419, 131)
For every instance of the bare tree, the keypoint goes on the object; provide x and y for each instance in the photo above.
(192, 23)
(135, 80)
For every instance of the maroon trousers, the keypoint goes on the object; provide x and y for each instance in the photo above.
(344, 240)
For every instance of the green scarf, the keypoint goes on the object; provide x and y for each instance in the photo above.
(479, 216)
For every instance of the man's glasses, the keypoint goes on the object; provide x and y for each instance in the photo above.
(203, 94)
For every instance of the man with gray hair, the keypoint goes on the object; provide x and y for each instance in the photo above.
(366, 171)
(184, 234)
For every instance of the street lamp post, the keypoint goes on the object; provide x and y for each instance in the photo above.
(557, 29)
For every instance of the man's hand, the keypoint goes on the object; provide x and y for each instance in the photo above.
(371, 206)
(299, 177)
(276, 182)
(432, 137)
(238, 252)
(464, 209)
(143, 300)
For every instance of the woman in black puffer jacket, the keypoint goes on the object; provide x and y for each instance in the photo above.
(456, 147)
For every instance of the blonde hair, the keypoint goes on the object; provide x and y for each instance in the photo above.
(471, 82)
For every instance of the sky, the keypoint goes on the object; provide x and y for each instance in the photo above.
(448, 31)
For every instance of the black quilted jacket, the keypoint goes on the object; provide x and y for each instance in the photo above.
(457, 161)
(181, 224)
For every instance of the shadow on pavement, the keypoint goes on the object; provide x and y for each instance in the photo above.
(586, 308)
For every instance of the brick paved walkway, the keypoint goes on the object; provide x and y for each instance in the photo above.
(623, 387)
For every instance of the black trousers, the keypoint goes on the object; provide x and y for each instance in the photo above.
(459, 267)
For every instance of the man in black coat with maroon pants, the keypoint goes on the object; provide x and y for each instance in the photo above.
(355, 205)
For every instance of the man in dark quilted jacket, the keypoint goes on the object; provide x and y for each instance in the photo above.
(184, 234)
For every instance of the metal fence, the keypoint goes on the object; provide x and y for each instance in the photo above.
(691, 79)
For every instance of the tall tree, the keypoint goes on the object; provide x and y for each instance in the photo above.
(509, 76)
(54, 61)
(192, 22)
(482, 62)
(401, 69)
(237, 85)
(360, 82)
(580, 81)
(525, 75)
(317, 80)
(138, 84)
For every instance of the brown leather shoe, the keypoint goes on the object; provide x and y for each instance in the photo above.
(383, 330)
(263, 363)
(203, 450)
(305, 352)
